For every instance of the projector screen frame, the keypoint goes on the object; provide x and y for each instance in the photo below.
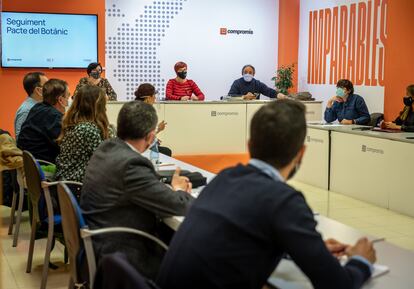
(48, 67)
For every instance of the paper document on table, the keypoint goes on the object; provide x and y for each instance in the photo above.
(333, 124)
(283, 284)
(380, 270)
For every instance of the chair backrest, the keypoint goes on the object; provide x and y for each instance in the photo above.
(72, 221)
(375, 118)
(33, 177)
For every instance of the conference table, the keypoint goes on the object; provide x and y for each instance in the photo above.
(208, 127)
(372, 166)
(399, 260)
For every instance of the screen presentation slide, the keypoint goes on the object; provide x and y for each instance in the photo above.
(48, 40)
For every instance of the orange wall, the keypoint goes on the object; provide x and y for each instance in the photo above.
(289, 35)
(11, 86)
(399, 58)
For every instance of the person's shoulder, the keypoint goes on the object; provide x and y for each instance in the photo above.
(172, 80)
(83, 80)
(86, 125)
(36, 109)
(258, 82)
(357, 97)
(87, 128)
(104, 80)
(266, 188)
(238, 80)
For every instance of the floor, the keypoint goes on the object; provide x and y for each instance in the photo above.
(396, 228)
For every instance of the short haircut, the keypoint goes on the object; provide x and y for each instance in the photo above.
(144, 90)
(277, 132)
(93, 66)
(249, 65)
(346, 84)
(136, 120)
(52, 89)
(31, 81)
(179, 65)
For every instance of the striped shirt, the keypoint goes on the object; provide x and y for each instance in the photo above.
(22, 114)
(176, 90)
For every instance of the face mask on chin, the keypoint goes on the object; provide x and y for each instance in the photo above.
(146, 152)
(294, 171)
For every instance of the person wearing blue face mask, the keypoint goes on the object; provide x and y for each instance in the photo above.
(346, 106)
(250, 88)
(405, 121)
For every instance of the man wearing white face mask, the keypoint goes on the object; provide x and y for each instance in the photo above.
(121, 188)
(44, 123)
(250, 88)
(346, 106)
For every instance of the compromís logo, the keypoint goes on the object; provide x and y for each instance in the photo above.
(226, 31)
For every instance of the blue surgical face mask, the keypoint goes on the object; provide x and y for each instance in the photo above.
(340, 92)
(247, 77)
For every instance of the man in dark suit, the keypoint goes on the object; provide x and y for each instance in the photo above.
(43, 125)
(121, 188)
(248, 218)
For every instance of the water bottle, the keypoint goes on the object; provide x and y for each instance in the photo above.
(154, 154)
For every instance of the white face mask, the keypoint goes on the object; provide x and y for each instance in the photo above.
(146, 153)
(247, 77)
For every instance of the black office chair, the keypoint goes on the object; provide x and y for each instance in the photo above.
(375, 119)
(75, 231)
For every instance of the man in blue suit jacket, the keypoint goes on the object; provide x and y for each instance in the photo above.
(248, 218)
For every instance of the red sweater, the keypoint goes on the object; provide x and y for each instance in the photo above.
(176, 90)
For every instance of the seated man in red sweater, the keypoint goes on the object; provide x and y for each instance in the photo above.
(180, 88)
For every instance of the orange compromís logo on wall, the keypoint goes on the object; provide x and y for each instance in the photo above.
(223, 31)
(348, 41)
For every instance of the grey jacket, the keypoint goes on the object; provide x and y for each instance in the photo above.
(121, 188)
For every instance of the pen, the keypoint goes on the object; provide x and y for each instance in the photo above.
(377, 240)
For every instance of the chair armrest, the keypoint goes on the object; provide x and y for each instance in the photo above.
(45, 162)
(86, 233)
(46, 184)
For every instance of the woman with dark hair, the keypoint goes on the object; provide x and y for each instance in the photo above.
(94, 71)
(405, 121)
(346, 106)
(147, 93)
(84, 127)
(181, 88)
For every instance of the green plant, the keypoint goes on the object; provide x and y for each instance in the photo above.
(284, 78)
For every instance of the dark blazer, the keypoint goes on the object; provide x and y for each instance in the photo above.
(237, 231)
(39, 132)
(121, 188)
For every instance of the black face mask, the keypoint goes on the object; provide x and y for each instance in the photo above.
(182, 74)
(408, 101)
(95, 74)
